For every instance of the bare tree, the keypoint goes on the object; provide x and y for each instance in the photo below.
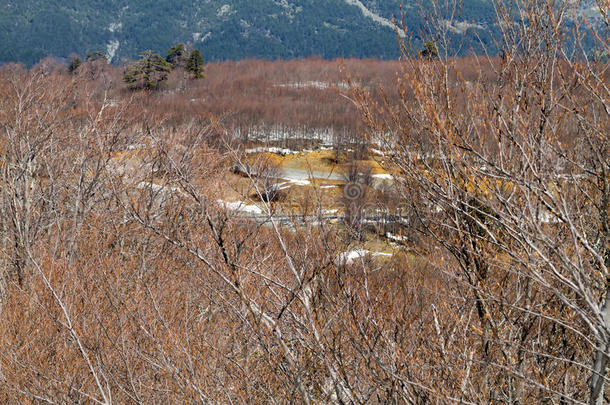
(508, 175)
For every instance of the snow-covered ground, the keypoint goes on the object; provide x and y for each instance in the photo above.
(272, 149)
(304, 176)
(298, 182)
(312, 85)
(329, 212)
(291, 182)
(326, 136)
(383, 176)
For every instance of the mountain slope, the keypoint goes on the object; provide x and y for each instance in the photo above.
(222, 29)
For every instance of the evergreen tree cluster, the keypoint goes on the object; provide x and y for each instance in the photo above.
(194, 65)
(152, 69)
(148, 72)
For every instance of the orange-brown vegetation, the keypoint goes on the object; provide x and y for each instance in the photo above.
(129, 273)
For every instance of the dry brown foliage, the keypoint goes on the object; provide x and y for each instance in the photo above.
(124, 281)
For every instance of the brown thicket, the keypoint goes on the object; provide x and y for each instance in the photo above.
(122, 280)
(508, 175)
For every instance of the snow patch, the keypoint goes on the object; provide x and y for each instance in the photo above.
(396, 238)
(278, 151)
(224, 10)
(114, 27)
(199, 37)
(312, 85)
(549, 218)
(349, 257)
(325, 136)
(460, 27)
(111, 49)
(375, 17)
(383, 176)
(156, 188)
(299, 182)
(283, 186)
(240, 206)
(304, 85)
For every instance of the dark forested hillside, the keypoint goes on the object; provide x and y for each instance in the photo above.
(236, 29)
(224, 29)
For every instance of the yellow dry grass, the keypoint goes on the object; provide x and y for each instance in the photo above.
(324, 161)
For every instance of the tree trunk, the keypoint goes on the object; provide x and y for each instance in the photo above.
(596, 396)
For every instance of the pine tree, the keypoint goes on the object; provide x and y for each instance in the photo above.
(96, 55)
(75, 62)
(148, 72)
(194, 65)
(429, 50)
(177, 55)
